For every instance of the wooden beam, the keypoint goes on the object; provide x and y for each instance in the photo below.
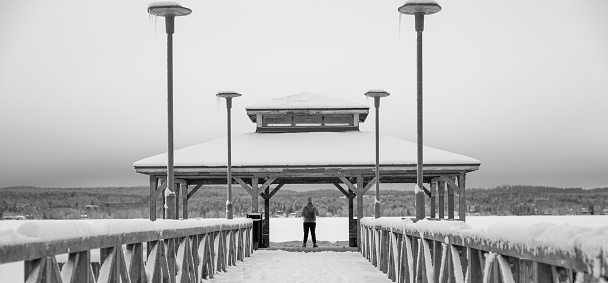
(267, 183)
(191, 193)
(369, 185)
(162, 187)
(451, 183)
(349, 185)
(341, 189)
(426, 191)
(276, 189)
(244, 185)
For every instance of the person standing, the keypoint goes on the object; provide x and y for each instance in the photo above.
(309, 213)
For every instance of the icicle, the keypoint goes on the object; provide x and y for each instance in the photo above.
(217, 104)
(399, 35)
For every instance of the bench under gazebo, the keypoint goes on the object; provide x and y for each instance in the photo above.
(309, 139)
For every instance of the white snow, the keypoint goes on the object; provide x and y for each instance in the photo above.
(281, 266)
(49, 230)
(293, 149)
(306, 100)
(163, 4)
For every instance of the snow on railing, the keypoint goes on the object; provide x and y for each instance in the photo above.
(186, 250)
(452, 251)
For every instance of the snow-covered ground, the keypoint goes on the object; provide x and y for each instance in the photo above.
(280, 266)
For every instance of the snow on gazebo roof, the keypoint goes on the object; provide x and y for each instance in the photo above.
(308, 149)
(306, 100)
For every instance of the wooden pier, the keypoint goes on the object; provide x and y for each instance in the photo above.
(148, 255)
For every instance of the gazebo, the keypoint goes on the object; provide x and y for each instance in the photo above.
(309, 139)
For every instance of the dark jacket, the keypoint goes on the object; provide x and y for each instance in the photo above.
(310, 208)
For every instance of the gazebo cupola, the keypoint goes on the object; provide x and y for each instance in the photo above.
(307, 112)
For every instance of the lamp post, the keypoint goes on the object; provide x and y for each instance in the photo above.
(228, 95)
(377, 94)
(419, 8)
(169, 10)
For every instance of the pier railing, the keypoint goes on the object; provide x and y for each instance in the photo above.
(451, 251)
(127, 250)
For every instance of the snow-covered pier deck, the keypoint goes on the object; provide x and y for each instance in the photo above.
(452, 251)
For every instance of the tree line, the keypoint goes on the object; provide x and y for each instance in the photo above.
(209, 202)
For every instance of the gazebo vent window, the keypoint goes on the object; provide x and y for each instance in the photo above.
(324, 115)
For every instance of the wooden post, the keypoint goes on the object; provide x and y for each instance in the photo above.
(178, 189)
(450, 202)
(185, 200)
(254, 194)
(164, 204)
(462, 202)
(352, 222)
(441, 192)
(359, 210)
(153, 185)
(433, 196)
(266, 221)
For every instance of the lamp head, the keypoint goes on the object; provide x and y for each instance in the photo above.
(421, 7)
(377, 93)
(228, 94)
(168, 9)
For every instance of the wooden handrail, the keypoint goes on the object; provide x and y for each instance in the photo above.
(428, 252)
(186, 250)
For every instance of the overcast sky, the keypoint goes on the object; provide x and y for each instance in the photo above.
(520, 85)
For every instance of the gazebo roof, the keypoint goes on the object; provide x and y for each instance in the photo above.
(306, 100)
(307, 155)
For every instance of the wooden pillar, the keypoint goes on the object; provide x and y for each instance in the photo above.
(441, 192)
(153, 185)
(164, 204)
(359, 210)
(462, 201)
(433, 200)
(178, 189)
(450, 202)
(352, 222)
(254, 195)
(265, 243)
(185, 201)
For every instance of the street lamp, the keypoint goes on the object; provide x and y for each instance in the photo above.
(169, 10)
(377, 94)
(419, 8)
(228, 95)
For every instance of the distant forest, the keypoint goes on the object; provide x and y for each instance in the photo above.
(209, 202)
